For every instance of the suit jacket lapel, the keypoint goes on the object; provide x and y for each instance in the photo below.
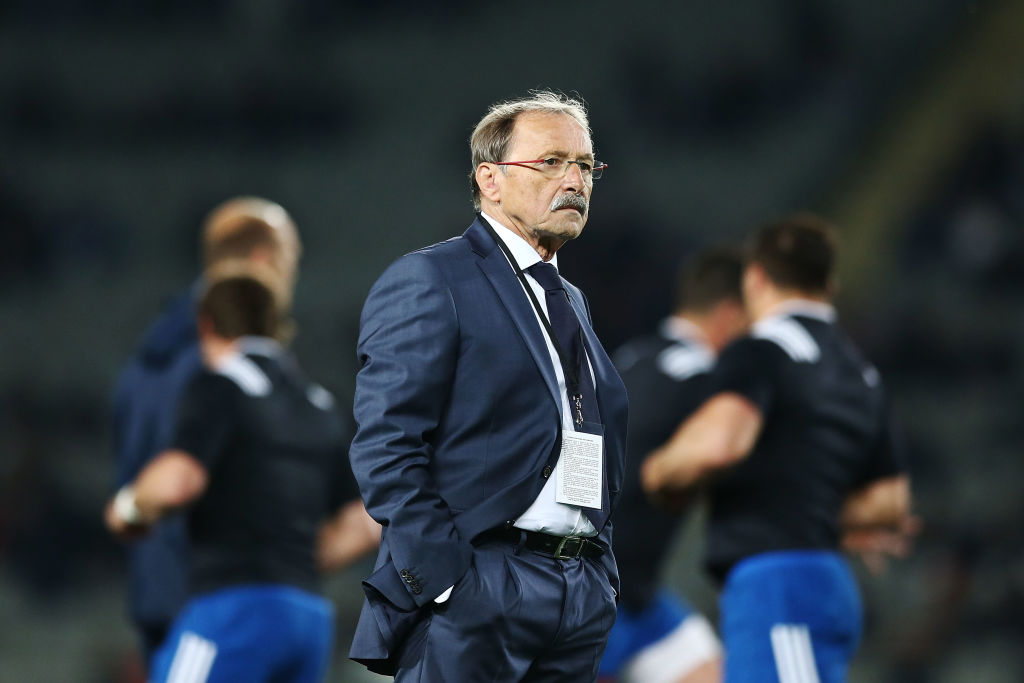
(501, 276)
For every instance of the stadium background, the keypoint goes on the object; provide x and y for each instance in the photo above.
(122, 122)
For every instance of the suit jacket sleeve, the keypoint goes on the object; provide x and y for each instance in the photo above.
(408, 348)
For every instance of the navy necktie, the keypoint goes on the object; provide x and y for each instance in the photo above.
(567, 330)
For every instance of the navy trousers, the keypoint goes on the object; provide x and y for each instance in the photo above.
(516, 615)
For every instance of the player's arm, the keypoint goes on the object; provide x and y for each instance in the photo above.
(876, 519)
(877, 522)
(346, 537)
(172, 480)
(722, 432)
(179, 474)
(883, 503)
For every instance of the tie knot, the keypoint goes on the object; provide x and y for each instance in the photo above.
(547, 275)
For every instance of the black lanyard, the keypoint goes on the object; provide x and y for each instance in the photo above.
(571, 374)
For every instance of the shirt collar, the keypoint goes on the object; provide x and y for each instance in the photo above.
(260, 346)
(680, 329)
(807, 308)
(524, 254)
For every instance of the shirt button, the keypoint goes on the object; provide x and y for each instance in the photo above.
(547, 471)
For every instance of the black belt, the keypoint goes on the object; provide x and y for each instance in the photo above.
(559, 547)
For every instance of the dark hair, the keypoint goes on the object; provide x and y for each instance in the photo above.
(239, 306)
(712, 276)
(247, 235)
(797, 252)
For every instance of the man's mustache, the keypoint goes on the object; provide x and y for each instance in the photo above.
(570, 201)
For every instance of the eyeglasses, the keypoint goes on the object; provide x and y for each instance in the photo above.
(553, 167)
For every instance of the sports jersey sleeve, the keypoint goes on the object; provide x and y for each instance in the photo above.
(888, 455)
(204, 418)
(345, 487)
(748, 367)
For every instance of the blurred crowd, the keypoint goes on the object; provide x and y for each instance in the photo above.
(124, 123)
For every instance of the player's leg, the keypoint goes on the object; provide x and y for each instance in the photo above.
(751, 604)
(219, 637)
(311, 620)
(791, 617)
(834, 625)
(676, 644)
(620, 648)
(708, 672)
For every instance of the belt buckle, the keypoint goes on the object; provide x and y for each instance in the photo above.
(561, 546)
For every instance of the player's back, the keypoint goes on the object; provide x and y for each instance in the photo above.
(824, 423)
(274, 477)
(666, 377)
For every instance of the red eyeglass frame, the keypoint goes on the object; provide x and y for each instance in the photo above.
(595, 170)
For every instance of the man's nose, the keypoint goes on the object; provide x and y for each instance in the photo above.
(573, 179)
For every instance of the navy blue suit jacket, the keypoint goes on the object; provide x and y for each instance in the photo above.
(458, 416)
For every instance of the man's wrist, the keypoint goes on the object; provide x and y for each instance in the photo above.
(125, 506)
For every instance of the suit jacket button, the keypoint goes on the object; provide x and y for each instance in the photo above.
(547, 471)
(416, 590)
(404, 574)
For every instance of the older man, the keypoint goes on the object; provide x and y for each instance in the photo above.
(491, 427)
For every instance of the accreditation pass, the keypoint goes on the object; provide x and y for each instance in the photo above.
(579, 475)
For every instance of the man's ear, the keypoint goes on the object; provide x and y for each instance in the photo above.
(487, 182)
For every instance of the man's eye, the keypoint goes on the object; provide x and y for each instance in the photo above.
(585, 167)
(552, 161)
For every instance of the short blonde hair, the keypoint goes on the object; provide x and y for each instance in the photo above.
(237, 227)
(492, 136)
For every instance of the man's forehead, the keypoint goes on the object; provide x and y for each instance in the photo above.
(551, 131)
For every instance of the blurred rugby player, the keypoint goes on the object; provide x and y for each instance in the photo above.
(798, 436)
(658, 637)
(258, 455)
(244, 229)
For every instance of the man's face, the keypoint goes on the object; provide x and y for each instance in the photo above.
(736, 321)
(547, 207)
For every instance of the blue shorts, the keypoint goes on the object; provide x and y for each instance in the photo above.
(792, 616)
(248, 633)
(635, 631)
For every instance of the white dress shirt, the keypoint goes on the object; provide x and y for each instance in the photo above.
(546, 514)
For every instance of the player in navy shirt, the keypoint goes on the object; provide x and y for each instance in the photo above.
(658, 637)
(258, 456)
(798, 438)
(248, 229)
